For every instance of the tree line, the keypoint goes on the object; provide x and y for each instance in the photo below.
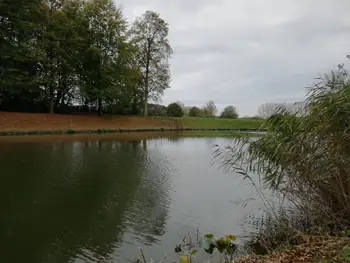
(178, 109)
(80, 55)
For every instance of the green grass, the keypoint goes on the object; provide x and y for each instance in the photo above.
(217, 123)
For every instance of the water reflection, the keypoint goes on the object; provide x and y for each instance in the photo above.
(85, 199)
(63, 201)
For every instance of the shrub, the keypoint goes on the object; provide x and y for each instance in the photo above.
(174, 110)
(195, 112)
(157, 110)
(305, 158)
(229, 112)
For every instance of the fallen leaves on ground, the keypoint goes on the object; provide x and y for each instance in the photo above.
(325, 250)
(15, 121)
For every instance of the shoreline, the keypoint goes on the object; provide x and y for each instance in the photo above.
(17, 123)
(102, 131)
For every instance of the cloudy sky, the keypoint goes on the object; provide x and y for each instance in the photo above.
(247, 52)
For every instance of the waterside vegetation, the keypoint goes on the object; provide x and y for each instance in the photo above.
(304, 158)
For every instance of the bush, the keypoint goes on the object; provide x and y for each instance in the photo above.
(229, 112)
(174, 110)
(195, 112)
(157, 110)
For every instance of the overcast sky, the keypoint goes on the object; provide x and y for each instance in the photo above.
(247, 52)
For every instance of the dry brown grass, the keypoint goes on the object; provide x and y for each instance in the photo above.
(325, 250)
(45, 122)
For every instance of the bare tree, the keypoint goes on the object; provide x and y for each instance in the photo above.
(210, 109)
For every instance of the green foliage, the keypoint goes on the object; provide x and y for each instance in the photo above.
(149, 33)
(174, 110)
(19, 67)
(209, 236)
(56, 53)
(195, 112)
(223, 245)
(157, 110)
(229, 112)
(306, 157)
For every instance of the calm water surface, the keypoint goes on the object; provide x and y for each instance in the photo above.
(95, 198)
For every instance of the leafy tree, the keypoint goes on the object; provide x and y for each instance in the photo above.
(149, 33)
(71, 52)
(229, 112)
(57, 53)
(59, 43)
(195, 112)
(106, 27)
(210, 109)
(174, 110)
(20, 23)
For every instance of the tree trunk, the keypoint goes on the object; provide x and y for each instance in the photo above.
(134, 106)
(52, 101)
(52, 105)
(145, 105)
(99, 107)
(58, 99)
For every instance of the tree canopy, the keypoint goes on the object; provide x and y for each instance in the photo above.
(59, 55)
(195, 112)
(229, 112)
(174, 110)
(149, 34)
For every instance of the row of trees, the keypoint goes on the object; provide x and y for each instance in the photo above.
(178, 109)
(58, 53)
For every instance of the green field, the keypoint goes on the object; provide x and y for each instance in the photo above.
(217, 123)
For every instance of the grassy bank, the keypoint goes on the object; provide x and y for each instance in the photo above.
(39, 124)
(201, 123)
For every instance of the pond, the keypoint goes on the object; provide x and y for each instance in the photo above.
(101, 197)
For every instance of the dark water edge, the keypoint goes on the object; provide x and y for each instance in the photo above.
(102, 131)
(127, 136)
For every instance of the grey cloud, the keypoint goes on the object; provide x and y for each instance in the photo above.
(249, 52)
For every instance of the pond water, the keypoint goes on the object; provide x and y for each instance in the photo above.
(95, 198)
